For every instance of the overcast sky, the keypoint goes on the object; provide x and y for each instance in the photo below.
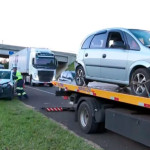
(62, 25)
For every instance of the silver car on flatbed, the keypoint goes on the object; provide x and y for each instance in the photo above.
(117, 55)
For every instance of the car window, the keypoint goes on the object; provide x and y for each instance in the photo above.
(133, 45)
(87, 42)
(98, 41)
(114, 37)
(5, 74)
(142, 35)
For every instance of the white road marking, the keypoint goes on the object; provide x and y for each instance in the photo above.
(40, 90)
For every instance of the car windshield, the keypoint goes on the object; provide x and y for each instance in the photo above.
(142, 35)
(45, 62)
(5, 74)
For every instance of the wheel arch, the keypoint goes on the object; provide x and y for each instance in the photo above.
(80, 64)
(134, 69)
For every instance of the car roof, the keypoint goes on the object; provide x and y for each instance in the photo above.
(5, 70)
(108, 29)
(105, 30)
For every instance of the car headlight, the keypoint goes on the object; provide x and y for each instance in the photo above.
(9, 84)
(5, 85)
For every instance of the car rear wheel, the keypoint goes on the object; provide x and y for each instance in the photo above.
(140, 82)
(80, 76)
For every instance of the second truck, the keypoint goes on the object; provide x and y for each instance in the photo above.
(37, 65)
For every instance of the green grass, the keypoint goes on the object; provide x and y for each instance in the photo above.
(22, 128)
(71, 67)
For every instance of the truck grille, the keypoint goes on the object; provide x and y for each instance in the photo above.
(45, 76)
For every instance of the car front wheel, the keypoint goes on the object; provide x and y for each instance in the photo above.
(11, 94)
(80, 76)
(140, 82)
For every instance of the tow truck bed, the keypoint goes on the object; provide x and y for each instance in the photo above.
(105, 92)
(96, 108)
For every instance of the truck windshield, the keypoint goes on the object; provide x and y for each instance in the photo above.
(46, 62)
(142, 35)
(5, 74)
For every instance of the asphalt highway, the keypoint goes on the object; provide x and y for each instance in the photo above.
(45, 97)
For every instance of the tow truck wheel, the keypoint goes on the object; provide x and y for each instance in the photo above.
(140, 82)
(80, 76)
(85, 119)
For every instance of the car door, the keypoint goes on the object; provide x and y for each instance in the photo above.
(114, 59)
(93, 53)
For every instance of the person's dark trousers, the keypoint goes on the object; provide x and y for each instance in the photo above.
(19, 89)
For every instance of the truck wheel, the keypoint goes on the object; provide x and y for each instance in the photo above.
(85, 119)
(140, 81)
(80, 76)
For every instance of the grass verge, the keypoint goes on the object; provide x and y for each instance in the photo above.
(71, 67)
(22, 128)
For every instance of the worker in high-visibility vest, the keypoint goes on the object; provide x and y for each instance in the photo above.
(19, 83)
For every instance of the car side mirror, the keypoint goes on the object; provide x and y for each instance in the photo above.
(118, 44)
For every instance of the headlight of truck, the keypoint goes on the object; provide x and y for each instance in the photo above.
(36, 77)
(54, 78)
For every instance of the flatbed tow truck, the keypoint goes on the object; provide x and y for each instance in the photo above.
(97, 109)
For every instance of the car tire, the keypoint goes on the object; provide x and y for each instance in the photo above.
(12, 95)
(139, 82)
(80, 77)
(85, 119)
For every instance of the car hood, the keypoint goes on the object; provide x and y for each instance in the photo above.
(2, 81)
